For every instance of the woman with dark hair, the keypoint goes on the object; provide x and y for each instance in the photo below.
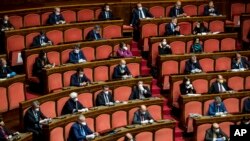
(196, 47)
(41, 62)
(186, 87)
(164, 48)
(123, 51)
(200, 28)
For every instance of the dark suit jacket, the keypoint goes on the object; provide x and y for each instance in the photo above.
(39, 65)
(91, 36)
(169, 29)
(207, 12)
(75, 132)
(30, 122)
(7, 132)
(117, 72)
(244, 63)
(215, 88)
(200, 30)
(246, 106)
(213, 108)
(173, 13)
(71, 107)
(36, 41)
(103, 16)
(74, 57)
(163, 51)
(100, 101)
(190, 66)
(135, 93)
(53, 18)
(135, 16)
(138, 115)
(184, 90)
(75, 80)
(4, 71)
(210, 133)
(5, 25)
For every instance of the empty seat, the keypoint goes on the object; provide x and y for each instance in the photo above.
(200, 85)
(32, 20)
(49, 109)
(192, 107)
(225, 127)
(29, 39)
(201, 9)
(168, 71)
(59, 105)
(190, 10)
(155, 111)
(3, 100)
(211, 45)
(154, 53)
(245, 30)
(247, 82)
(236, 86)
(216, 26)
(16, 21)
(69, 16)
(182, 66)
(162, 29)
(178, 47)
(236, 10)
(175, 93)
(86, 99)
(164, 134)
(54, 82)
(168, 8)
(45, 17)
(55, 36)
(228, 44)
(134, 69)
(30, 60)
(85, 15)
(104, 76)
(122, 93)
(97, 13)
(89, 53)
(144, 136)
(232, 108)
(101, 126)
(185, 28)
(148, 30)
(207, 64)
(66, 77)
(157, 11)
(56, 134)
(54, 57)
(112, 31)
(223, 64)
(72, 34)
(15, 95)
(90, 123)
(15, 44)
(119, 119)
(103, 51)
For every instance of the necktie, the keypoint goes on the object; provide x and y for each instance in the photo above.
(76, 106)
(106, 98)
(220, 88)
(36, 116)
(82, 131)
(240, 65)
(142, 118)
(95, 36)
(177, 12)
(140, 14)
(218, 109)
(107, 14)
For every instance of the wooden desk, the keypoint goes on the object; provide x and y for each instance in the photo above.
(25, 136)
(94, 114)
(121, 132)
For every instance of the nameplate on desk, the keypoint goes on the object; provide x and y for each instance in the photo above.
(239, 132)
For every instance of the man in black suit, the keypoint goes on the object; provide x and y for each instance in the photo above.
(33, 119)
(104, 98)
(172, 28)
(5, 71)
(106, 13)
(219, 86)
(177, 10)
(79, 78)
(94, 34)
(210, 10)
(121, 71)
(139, 13)
(41, 40)
(140, 91)
(77, 56)
(192, 65)
(73, 105)
(56, 17)
(5, 133)
(240, 62)
(5, 24)
(142, 116)
(215, 134)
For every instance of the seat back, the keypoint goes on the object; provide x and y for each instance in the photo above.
(49, 109)
(185, 28)
(67, 130)
(207, 64)
(122, 93)
(101, 126)
(32, 20)
(175, 93)
(201, 9)
(3, 100)
(201, 131)
(206, 106)
(16, 21)
(59, 105)
(225, 127)
(89, 53)
(157, 11)
(69, 16)
(190, 10)
(54, 57)
(154, 53)
(45, 17)
(29, 39)
(144, 136)
(112, 31)
(217, 26)
(155, 111)
(103, 51)
(232, 108)
(211, 45)
(72, 34)
(200, 85)
(85, 15)
(67, 77)
(54, 82)
(86, 99)
(178, 47)
(228, 44)
(103, 76)
(164, 134)
(192, 107)
(65, 56)
(119, 118)
(247, 82)
(222, 64)
(56, 134)
(134, 68)
(29, 64)
(236, 86)
(162, 29)
(55, 36)
(16, 94)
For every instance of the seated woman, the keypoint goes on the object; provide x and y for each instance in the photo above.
(5, 71)
(186, 87)
(164, 48)
(200, 28)
(123, 51)
(196, 47)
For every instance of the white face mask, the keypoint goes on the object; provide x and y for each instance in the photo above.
(83, 123)
(43, 37)
(143, 113)
(57, 13)
(164, 43)
(106, 92)
(246, 122)
(217, 130)
(123, 65)
(125, 48)
(107, 9)
(37, 109)
(140, 8)
(221, 81)
(81, 75)
(5, 65)
(140, 86)
(187, 82)
(75, 99)
(77, 50)
(194, 61)
(5, 21)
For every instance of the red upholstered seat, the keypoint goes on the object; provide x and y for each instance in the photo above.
(225, 127)
(211, 45)
(15, 44)
(236, 10)
(101, 76)
(228, 44)
(248, 8)
(175, 93)
(232, 108)
(192, 107)
(236, 86)
(112, 31)
(45, 17)
(131, 115)
(29, 39)
(206, 106)
(86, 99)
(89, 53)
(168, 71)
(55, 36)
(86, 31)
(67, 130)
(55, 82)
(154, 52)
(157, 11)
(201, 131)
(245, 29)
(190, 10)
(207, 64)
(73, 34)
(201, 9)
(182, 66)
(247, 82)
(65, 56)
(49, 109)
(200, 85)
(162, 29)
(3, 100)
(85, 15)
(29, 64)
(66, 77)
(69, 16)
(59, 105)
(16, 21)
(164, 134)
(119, 118)
(97, 13)
(222, 64)
(90, 123)
(147, 31)
(54, 57)
(103, 51)
(185, 28)
(155, 111)
(101, 126)
(32, 20)
(89, 73)
(144, 136)
(122, 93)
(178, 47)
(134, 69)
(15, 95)
(216, 26)
(56, 134)
(111, 71)
(168, 10)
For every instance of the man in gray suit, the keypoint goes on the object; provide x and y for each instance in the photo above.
(142, 116)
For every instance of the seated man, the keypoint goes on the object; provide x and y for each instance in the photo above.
(172, 28)
(217, 107)
(106, 13)
(94, 34)
(210, 10)
(219, 86)
(121, 71)
(80, 131)
(240, 62)
(164, 48)
(140, 91)
(215, 134)
(5, 71)
(104, 98)
(129, 137)
(5, 24)
(192, 65)
(139, 13)
(33, 119)
(142, 116)
(41, 40)
(56, 17)
(246, 105)
(77, 56)
(186, 87)
(73, 105)
(123, 51)
(177, 10)
(5, 133)
(79, 78)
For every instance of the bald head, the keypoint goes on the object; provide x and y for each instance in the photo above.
(5, 17)
(143, 108)
(81, 118)
(215, 125)
(178, 4)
